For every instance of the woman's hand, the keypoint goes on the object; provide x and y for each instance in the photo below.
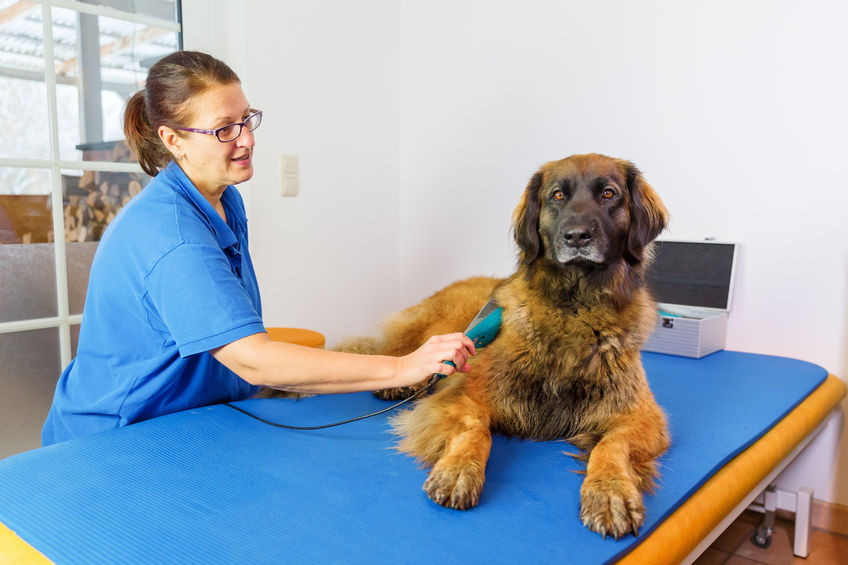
(430, 358)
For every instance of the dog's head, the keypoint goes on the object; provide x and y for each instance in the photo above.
(587, 209)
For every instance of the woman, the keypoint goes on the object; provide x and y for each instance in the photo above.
(172, 318)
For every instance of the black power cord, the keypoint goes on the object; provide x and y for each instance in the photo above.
(410, 398)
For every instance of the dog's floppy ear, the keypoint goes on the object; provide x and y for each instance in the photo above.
(648, 216)
(525, 221)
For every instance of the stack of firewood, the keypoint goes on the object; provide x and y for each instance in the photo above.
(94, 199)
(86, 216)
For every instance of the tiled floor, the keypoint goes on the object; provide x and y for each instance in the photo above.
(734, 546)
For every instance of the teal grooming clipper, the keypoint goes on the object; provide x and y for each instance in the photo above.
(483, 328)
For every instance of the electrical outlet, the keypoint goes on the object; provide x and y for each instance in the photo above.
(290, 177)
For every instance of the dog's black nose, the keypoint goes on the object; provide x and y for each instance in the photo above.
(578, 236)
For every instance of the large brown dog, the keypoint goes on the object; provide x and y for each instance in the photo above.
(566, 361)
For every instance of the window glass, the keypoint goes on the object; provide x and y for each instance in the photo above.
(28, 276)
(162, 9)
(25, 208)
(75, 331)
(100, 62)
(79, 256)
(23, 105)
(29, 369)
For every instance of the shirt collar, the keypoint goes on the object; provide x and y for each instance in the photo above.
(225, 236)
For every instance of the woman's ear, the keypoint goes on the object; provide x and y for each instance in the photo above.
(173, 142)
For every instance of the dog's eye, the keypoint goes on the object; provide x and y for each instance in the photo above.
(558, 195)
(608, 194)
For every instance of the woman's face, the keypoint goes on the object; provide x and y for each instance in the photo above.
(210, 164)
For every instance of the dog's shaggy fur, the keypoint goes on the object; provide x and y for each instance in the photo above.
(566, 361)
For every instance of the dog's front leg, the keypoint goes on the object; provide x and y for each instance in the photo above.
(450, 431)
(620, 466)
(456, 480)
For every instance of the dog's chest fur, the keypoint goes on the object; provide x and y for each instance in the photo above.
(575, 363)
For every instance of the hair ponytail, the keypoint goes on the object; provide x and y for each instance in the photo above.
(142, 139)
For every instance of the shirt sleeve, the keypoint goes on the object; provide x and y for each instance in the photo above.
(193, 295)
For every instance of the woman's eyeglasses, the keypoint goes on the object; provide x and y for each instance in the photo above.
(231, 132)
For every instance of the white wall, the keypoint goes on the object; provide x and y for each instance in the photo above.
(735, 112)
(325, 75)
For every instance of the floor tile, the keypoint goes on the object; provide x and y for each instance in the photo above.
(736, 560)
(826, 549)
(734, 546)
(712, 556)
(739, 531)
(779, 552)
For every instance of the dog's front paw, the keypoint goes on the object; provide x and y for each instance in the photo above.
(456, 486)
(611, 506)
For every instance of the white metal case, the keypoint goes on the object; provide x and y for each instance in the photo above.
(693, 282)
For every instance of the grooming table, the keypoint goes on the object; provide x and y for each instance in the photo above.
(213, 486)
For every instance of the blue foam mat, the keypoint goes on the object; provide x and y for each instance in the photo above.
(214, 486)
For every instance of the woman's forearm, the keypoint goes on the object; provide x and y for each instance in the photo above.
(260, 361)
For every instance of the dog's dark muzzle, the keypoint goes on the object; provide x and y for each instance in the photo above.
(579, 231)
(581, 239)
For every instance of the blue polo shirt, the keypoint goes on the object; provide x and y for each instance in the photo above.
(170, 281)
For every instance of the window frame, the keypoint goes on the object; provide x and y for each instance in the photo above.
(64, 319)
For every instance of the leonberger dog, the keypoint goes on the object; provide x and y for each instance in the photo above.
(565, 364)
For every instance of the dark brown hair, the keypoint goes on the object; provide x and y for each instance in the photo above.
(171, 84)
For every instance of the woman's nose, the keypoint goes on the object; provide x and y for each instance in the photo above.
(245, 138)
